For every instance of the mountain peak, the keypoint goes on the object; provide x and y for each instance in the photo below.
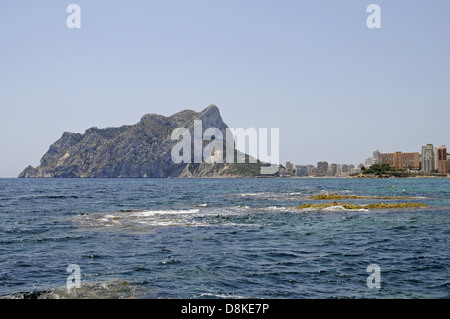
(140, 150)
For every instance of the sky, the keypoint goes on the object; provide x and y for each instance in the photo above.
(335, 88)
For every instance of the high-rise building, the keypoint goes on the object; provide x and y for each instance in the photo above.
(376, 157)
(289, 168)
(427, 158)
(401, 160)
(332, 170)
(441, 153)
(388, 158)
(407, 160)
(441, 159)
(338, 169)
(443, 166)
(301, 170)
(368, 162)
(345, 168)
(342, 170)
(322, 168)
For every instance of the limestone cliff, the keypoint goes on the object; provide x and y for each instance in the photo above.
(132, 151)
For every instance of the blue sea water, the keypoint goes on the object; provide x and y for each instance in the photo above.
(221, 238)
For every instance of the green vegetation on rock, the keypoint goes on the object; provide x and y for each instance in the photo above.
(369, 206)
(335, 196)
(377, 169)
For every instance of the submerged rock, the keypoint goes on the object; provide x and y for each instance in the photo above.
(369, 206)
(335, 196)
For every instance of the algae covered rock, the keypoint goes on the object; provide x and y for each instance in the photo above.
(337, 197)
(369, 206)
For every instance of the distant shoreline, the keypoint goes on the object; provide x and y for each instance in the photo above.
(400, 175)
(371, 176)
(357, 176)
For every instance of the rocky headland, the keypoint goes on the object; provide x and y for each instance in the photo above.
(135, 151)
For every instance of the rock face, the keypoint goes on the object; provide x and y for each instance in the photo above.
(133, 151)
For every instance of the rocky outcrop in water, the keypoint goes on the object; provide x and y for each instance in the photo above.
(133, 151)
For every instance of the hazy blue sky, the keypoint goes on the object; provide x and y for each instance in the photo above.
(335, 88)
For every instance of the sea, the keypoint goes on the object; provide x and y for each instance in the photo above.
(222, 238)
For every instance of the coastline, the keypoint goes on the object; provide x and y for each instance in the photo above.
(242, 177)
(400, 175)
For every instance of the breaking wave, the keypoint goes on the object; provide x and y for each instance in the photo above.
(336, 208)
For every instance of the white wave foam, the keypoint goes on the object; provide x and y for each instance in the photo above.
(333, 209)
(251, 194)
(163, 212)
(258, 209)
(276, 208)
(338, 208)
(224, 296)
